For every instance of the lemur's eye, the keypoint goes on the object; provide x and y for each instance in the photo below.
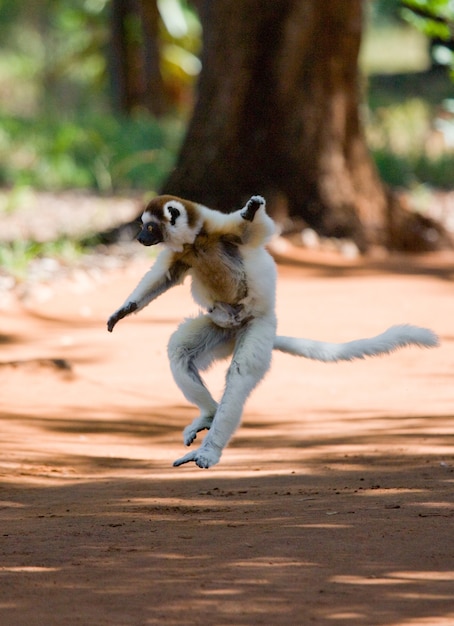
(150, 228)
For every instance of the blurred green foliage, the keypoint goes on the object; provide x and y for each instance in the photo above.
(101, 152)
(410, 117)
(412, 170)
(434, 18)
(55, 55)
(58, 130)
(57, 127)
(55, 51)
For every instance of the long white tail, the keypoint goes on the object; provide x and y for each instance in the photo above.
(392, 339)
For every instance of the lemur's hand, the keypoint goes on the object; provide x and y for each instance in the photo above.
(252, 206)
(120, 314)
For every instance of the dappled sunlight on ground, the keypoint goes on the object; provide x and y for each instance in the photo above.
(332, 505)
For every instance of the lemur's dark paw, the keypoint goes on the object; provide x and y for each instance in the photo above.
(252, 206)
(113, 319)
(120, 314)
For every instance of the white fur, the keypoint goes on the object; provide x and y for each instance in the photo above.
(254, 234)
(245, 328)
(392, 339)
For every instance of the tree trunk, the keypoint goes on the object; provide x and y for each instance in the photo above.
(134, 57)
(118, 57)
(153, 92)
(278, 114)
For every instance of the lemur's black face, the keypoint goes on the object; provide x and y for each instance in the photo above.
(150, 234)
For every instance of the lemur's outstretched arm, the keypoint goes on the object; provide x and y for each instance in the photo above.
(164, 274)
(119, 314)
(252, 206)
(255, 227)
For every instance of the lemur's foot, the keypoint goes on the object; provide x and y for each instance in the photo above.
(252, 206)
(120, 314)
(201, 423)
(204, 457)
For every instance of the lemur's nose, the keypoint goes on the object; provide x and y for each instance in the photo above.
(150, 235)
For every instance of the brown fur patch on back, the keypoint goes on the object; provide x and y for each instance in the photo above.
(217, 264)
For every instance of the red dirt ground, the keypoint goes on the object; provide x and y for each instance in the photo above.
(332, 505)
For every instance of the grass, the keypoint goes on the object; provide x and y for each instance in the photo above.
(100, 152)
(16, 257)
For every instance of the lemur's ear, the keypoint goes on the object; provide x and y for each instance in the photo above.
(174, 214)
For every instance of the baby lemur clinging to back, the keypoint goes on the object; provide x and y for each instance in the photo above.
(234, 281)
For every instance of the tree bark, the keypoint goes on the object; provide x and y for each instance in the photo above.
(134, 57)
(153, 92)
(278, 113)
(118, 57)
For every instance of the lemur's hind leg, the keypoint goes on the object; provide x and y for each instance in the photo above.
(250, 362)
(194, 346)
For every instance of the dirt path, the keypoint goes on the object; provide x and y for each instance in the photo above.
(332, 505)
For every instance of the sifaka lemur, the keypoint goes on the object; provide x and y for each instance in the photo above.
(234, 282)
